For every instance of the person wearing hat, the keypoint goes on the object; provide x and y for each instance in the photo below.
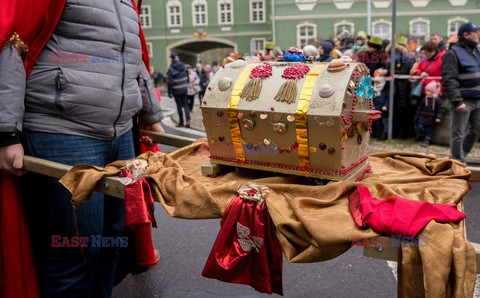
(461, 78)
(373, 56)
(429, 113)
(325, 51)
(359, 44)
(177, 87)
(402, 109)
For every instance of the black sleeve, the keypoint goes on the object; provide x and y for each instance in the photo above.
(9, 138)
(450, 78)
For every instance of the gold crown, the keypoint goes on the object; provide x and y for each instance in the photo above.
(401, 40)
(363, 34)
(269, 46)
(375, 40)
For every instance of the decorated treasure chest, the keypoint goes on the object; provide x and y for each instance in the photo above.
(303, 118)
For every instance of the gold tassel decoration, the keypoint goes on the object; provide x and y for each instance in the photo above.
(251, 90)
(15, 41)
(287, 92)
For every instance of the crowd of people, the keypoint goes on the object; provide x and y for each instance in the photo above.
(445, 74)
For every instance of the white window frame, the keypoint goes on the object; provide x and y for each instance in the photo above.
(195, 13)
(150, 49)
(305, 4)
(344, 23)
(382, 21)
(427, 27)
(256, 11)
(146, 18)
(174, 3)
(419, 3)
(253, 47)
(458, 2)
(381, 3)
(343, 4)
(226, 12)
(299, 38)
(449, 24)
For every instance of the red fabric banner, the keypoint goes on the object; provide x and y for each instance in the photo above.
(247, 250)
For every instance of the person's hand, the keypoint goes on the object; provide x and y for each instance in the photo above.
(384, 108)
(170, 95)
(157, 127)
(11, 159)
(438, 120)
(424, 75)
(461, 108)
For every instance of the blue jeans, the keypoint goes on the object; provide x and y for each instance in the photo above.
(73, 271)
(424, 131)
(182, 102)
(464, 129)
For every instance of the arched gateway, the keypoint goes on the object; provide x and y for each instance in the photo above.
(208, 50)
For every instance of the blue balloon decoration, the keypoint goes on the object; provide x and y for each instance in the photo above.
(367, 80)
(365, 87)
(360, 89)
(371, 92)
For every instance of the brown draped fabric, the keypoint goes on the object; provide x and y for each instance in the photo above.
(313, 221)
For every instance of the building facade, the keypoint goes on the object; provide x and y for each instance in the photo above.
(207, 30)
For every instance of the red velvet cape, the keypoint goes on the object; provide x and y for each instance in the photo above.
(34, 22)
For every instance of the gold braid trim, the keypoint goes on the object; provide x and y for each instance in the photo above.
(15, 41)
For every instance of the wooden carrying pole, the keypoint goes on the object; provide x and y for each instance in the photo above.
(109, 185)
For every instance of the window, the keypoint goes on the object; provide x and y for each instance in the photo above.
(382, 29)
(454, 24)
(420, 29)
(381, 3)
(199, 8)
(174, 10)
(225, 12)
(419, 3)
(458, 2)
(257, 11)
(257, 44)
(306, 34)
(145, 16)
(343, 4)
(305, 4)
(150, 49)
(343, 26)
